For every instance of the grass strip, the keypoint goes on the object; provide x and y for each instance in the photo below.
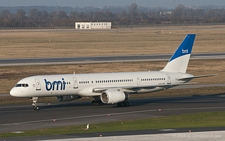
(197, 120)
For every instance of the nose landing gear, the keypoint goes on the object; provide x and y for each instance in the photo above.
(34, 104)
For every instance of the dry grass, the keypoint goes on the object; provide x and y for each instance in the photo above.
(70, 43)
(9, 76)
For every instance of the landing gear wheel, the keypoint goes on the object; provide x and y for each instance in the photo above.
(123, 104)
(127, 104)
(97, 103)
(36, 108)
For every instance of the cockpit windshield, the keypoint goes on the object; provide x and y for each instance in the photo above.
(21, 85)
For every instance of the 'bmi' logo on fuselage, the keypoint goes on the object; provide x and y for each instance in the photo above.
(55, 85)
(184, 51)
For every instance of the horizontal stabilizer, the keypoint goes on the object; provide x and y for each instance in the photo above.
(193, 77)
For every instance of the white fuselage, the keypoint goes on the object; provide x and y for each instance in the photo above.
(83, 84)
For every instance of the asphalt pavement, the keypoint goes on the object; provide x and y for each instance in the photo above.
(102, 59)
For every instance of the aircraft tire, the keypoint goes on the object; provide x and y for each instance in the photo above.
(36, 108)
(123, 104)
(96, 103)
(127, 104)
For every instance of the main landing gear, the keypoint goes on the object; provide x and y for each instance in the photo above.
(97, 101)
(34, 104)
(123, 104)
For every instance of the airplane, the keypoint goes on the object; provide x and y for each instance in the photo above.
(109, 88)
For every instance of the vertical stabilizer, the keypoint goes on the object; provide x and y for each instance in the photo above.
(179, 61)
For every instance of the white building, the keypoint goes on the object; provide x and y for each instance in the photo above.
(93, 25)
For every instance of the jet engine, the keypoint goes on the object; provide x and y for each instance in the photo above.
(113, 96)
(67, 98)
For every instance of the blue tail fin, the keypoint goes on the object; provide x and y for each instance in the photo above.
(179, 61)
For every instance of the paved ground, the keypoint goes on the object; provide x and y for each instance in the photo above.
(22, 117)
(196, 134)
(189, 136)
(101, 59)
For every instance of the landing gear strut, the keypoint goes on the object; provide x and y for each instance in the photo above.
(97, 101)
(123, 104)
(34, 104)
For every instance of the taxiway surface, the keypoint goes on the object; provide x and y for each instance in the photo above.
(102, 59)
(22, 117)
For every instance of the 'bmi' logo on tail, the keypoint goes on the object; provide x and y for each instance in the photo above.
(179, 60)
(185, 51)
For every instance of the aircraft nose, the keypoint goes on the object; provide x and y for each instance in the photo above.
(13, 92)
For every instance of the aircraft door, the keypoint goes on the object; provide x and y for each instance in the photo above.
(168, 79)
(75, 85)
(138, 81)
(37, 84)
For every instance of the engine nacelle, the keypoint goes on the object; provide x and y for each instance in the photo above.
(113, 96)
(67, 98)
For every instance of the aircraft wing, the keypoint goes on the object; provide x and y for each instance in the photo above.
(136, 88)
(192, 77)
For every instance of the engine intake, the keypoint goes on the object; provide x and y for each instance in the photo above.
(113, 96)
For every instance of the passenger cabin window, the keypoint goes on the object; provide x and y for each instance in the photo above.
(153, 79)
(113, 81)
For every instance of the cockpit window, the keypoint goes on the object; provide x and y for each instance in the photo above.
(22, 85)
(18, 85)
